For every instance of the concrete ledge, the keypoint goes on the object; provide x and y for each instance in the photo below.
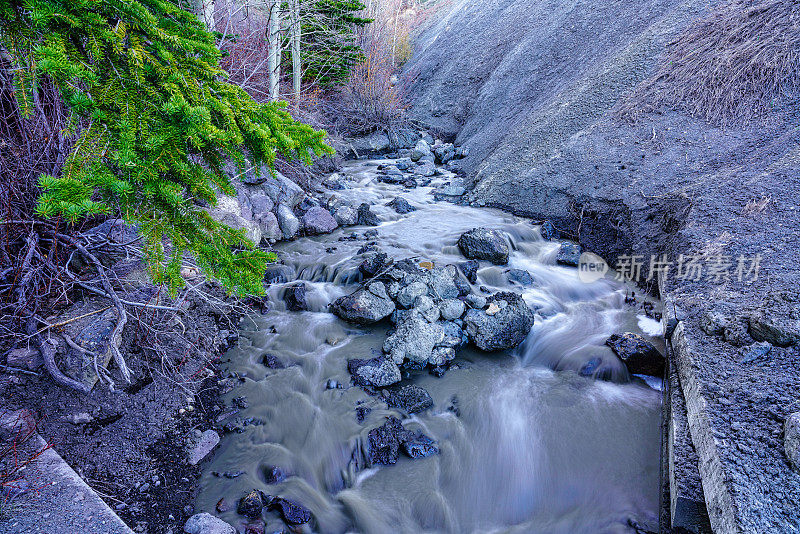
(58, 500)
(722, 510)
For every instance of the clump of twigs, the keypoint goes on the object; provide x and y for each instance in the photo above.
(732, 67)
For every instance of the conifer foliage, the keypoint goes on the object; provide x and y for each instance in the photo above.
(156, 124)
(329, 40)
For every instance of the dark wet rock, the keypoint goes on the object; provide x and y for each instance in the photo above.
(401, 206)
(317, 220)
(639, 356)
(454, 336)
(791, 440)
(384, 442)
(569, 254)
(366, 306)
(520, 276)
(444, 153)
(470, 270)
(409, 398)
(414, 340)
(503, 325)
(420, 446)
(452, 309)
(438, 371)
(291, 512)
(410, 183)
(333, 384)
(403, 164)
(549, 231)
(295, 298)
(596, 369)
(306, 204)
(240, 403)
(462, 286)
(371, 234)
(362, 412)
(251, 505)
(335, 182)
(756, 351)
(484, 244)
(366, 217)
(272, 361)
(206, 523)
(376, 372)
(274, 474)
(278, 274)
(374, 263)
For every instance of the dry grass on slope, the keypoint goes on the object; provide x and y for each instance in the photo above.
(732, 67)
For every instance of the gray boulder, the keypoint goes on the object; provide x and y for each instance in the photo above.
(426, 170)
(409, 398)
(441, 281)
(414, 341)
(288, 222)
(282, 190)
(452, 309)
(791, 439)
(484, 244)
(206, 523)
(420, 150)
(377, 372)
(444, 153)
(318, 220)
(408, 294)
(376, 143)
(202, 445)
(503, 325)
(270, 227)
(346, 216)
(403, 164)
(365, 306)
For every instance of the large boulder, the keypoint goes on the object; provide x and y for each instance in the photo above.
(365, 306)
(288, 221)
(444, 152)
(421, 150)
(280, 189)
(366, 217)
(228, 211)
(376, 372)
(371, 145)
(504, 324)
(569, 254)
(639, 356)
(346, 216)
(484, 244)
(401, 206)
(318, 220)
(414, 341)
(206, 523)
(270, 227)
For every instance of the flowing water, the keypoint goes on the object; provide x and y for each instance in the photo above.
(527, 444)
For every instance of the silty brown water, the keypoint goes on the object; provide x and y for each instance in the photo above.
(527, 444)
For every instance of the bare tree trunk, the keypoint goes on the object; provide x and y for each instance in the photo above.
(294, 6)
(274, 38)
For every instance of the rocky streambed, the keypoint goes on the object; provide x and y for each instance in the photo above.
(431, 366)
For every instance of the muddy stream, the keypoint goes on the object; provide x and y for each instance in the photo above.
(527, 444)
